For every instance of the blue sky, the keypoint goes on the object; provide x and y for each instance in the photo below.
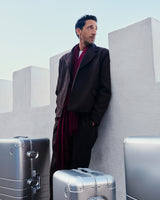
(32, 31)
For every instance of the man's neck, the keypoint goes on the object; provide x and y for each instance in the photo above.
(82, 46)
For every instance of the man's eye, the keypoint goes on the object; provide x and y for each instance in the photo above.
(92, 27)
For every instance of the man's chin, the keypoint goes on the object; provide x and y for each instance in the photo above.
(91, 42)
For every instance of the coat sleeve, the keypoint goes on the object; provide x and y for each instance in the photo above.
(59, 77)
(57, 86)
(104, 91)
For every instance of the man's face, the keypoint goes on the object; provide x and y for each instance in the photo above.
(88, 33)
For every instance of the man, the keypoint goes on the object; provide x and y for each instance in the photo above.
(83, 94)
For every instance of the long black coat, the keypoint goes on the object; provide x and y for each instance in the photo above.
(91, 89)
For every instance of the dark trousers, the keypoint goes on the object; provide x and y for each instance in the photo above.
(81, 145)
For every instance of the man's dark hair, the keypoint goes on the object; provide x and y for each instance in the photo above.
(82, 21)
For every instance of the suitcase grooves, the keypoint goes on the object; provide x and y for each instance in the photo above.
(83, 184)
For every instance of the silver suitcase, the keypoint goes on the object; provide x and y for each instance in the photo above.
(24, 169)
(83, 184)
(142, 168)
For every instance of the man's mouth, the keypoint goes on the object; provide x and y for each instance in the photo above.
(92, 37)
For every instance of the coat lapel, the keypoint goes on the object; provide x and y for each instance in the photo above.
(69, 59)
(89, 55)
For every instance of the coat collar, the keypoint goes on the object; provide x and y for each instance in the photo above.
(89, 55)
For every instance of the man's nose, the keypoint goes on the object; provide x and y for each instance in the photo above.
(94, 32)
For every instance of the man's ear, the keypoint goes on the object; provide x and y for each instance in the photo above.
(78, 31)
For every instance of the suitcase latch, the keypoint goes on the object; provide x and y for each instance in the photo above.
(34, 182)
(32, 154)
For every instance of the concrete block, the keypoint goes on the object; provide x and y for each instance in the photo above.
(40, 87)
(22, 90)
(6, 99)
(30, 88)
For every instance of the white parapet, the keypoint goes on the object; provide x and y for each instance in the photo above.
(30, 88)
(135, 104)
(40, 87)
(6, 99)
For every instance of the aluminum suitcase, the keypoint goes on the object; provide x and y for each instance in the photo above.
(83, 184)
(24, 169)
(142, 168)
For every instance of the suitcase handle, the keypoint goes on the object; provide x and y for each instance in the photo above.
(97, 198)
(87, 170)
(84, 170)
(20, 137)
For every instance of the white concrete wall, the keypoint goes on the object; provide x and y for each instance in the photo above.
(31, 114)
(134, 108)
(135, 104)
